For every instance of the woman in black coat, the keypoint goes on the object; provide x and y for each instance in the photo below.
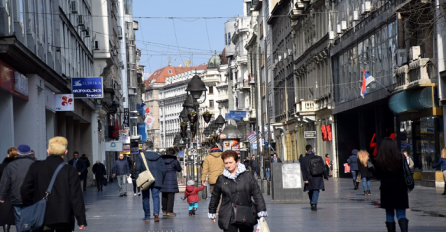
(365, 171)
(238, 185)
(6, 210)
(170, 183)
(394, 194)
(99, 172)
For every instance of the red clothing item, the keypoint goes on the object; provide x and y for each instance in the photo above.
(327, 161)
(192, 193)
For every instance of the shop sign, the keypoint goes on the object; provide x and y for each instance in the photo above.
(89, 87)
(142, 131)
(134, 150)
(64, 102)
(113, 146)
(126, 118)
(124, 136)
(20, 83)
(310, 134)
(126, 148)
(254, 146)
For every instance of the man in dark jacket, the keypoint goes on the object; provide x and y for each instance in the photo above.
(12, 179)
(156, 166)
(254, 165)
(66, 200)
(354, 169)
(99, 172)
(275, 159)
(122, 171)
(313, 184)
(87, 165)
(80, 166)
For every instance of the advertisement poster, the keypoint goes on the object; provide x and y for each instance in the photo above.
(64, 102)
(124, 136)
(231, 144)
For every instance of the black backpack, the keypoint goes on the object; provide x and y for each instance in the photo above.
(316, 166)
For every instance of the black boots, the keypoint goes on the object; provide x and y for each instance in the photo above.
(367, 193)
(313, 207)
(6, 228)
(190, 212)
(355, 186)
(404, 224)
(390, 226)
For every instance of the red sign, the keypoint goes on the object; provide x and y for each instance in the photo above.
(7, 80)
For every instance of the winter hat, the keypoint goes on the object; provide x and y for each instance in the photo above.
(23, 149)
(354, 152)
(190, 182)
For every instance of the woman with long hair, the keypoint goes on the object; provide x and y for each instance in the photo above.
(365, 171)
(7, 217)
(394, 194)
(442, 163)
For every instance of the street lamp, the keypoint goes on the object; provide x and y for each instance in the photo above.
(196, 87)
(190, 102)
(220, 121)
(183, 115)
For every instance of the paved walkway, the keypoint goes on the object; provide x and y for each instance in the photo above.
(340, 209)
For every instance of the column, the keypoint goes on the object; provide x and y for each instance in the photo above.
(7, 122)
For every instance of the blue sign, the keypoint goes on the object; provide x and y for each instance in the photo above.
(140, 109)
(235, 115)
(90, 87)
(142, 131)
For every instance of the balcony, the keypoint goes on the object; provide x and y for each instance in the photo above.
(418, 72)
(306, 107)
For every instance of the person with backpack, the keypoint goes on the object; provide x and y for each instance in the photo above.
(313, 173)
(354, 169)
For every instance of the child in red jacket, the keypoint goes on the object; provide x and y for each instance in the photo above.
(191, 194)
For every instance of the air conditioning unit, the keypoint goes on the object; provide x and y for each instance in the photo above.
(401, 56)
(87, 32)
(331, 35)
(96, 45)
(414, 52)
(73, 7)
(366, 6)
(338, 29)
(355, 15)
(119, 32)
(80, 20)
(344, 25)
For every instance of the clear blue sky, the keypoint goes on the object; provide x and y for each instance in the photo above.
(156, 37)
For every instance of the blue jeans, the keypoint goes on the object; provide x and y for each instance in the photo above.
(17, 214)
(122, 184)
(267, 173)
(193, 205)
(353, 174)
(255, 170)
(146, 201)
(314, 196)
(366, 183)
(390, 214)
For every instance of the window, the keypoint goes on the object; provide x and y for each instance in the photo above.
(229, 38)
(211, 89)
(211, 103)
(248, 8)
(262, 59)
(261, 30)
(170, 71)
(263, 89)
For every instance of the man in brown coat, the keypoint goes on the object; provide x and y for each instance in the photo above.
(212, 165)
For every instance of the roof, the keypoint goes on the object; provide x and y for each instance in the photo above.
(224, 59)
(159, 76)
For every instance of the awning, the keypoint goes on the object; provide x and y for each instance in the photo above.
(411, 100)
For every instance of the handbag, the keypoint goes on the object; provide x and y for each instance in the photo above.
(242, 215)
(262, 226)
(358, 177)
(408, 178)
(145, 179)
(346, 168)
(129, 180)
(33, 216)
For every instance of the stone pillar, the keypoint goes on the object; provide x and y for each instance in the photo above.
(70, 137)
(7, 122)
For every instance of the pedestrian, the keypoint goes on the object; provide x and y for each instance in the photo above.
(87, 165)
(442, 163)
(409, 160)
(276, 159)
(191, 193)
(12, 179)
(79, 164)
(99, 172)
(353, 161)
(6, 209)
(327, 164)
(313, 183)
(267, 168)
(156, 166)
(213, 166)
(133, 176)
(170, 184)
(394, 194)
(66, 201)
(247, 163)
(254, 165)
(300, 157)
(33, 155)
(122, 171)
(238, 184)
(366, 170)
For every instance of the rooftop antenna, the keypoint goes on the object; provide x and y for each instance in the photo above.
(169, 61)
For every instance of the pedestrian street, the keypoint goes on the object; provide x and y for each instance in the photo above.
(340, 208)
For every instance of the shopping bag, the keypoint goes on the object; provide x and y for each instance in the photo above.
(129, 180)
(262, 226)
(346, 168)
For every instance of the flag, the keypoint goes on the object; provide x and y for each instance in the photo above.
(149, 121)
(146, 108)
(366, 80)
(140, 109)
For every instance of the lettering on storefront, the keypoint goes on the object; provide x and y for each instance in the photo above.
(126, 117)
(310, 134)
